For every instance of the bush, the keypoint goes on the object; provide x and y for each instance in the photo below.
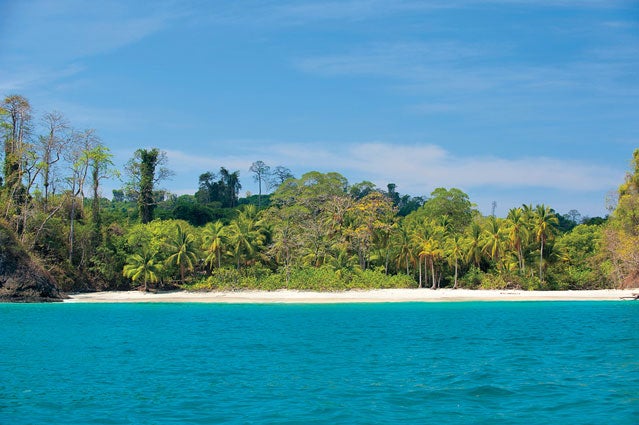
(304, 279)
(476, 279)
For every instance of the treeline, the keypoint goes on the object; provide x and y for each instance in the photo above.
(317, 231)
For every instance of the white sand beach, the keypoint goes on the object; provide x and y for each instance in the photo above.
(372, 296)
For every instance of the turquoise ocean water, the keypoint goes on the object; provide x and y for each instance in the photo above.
(420, 363)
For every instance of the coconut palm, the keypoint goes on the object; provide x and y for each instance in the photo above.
(545, 222)
(428, 241)
(183, 251)
(473, 244)
(454, 250)
(517, 234)
(432, 251)
(403, 244)
(214, 241)
(245, 234)
(142, 266)
(493, 240)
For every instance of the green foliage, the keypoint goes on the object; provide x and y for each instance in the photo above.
(148, 162)
(303, 278)
(143, 267)
(372, 279)
(477, 279)
(451, 203)
(315, 232)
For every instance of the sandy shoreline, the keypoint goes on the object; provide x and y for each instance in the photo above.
(372, 296)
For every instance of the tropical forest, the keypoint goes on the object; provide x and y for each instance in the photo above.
(316, 231)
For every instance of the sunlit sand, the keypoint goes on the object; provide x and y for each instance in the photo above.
(371, 296)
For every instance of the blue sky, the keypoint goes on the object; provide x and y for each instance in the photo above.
(512, 101)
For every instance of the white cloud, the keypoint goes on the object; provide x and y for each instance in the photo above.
(182, 162)
(431, 166)
(417, 169)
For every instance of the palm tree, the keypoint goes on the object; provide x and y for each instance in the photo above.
(494, 240)
(214, 240)
(183, 251)
(474, 244)
(545, 222)
(517, 234)
(432, 251)
(142, 266)
(403, 244)
(454, 251)
(429, 247)
(245, 234)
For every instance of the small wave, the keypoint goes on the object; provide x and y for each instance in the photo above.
(489, 391)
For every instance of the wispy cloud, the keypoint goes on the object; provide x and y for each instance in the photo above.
(417, 168)
(51, 39)
(293, 13)
(453, 72)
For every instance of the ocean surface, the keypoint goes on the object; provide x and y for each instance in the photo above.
(411, 363)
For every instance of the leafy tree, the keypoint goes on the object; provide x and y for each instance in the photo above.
(362, 189)
(371, 224)
(279, 175)
(287, 235)
(145, 170)
(393, 194)
(230, 187)
(451, 203)
(17, 128)
(208, 189)
(622, 233)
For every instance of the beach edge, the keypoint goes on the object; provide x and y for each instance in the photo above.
(354, 296)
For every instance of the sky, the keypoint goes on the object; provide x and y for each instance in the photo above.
(512, 101)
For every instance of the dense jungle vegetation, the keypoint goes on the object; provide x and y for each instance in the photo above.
(317, 231)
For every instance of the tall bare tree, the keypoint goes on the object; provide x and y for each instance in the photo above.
(261, 173)
(78, 157)
(50, 146)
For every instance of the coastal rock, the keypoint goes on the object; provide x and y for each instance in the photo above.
(21, 279)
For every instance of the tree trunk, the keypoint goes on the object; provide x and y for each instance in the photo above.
(71, 229)
(432, 272)
(456, 266)
(541, 260)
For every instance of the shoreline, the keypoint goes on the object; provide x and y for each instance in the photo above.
(355, 296)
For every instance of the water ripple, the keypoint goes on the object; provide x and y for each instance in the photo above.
(516, 363)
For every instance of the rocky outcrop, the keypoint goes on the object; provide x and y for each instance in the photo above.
(21, 279)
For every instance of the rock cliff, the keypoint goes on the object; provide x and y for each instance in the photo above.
(21, 278)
